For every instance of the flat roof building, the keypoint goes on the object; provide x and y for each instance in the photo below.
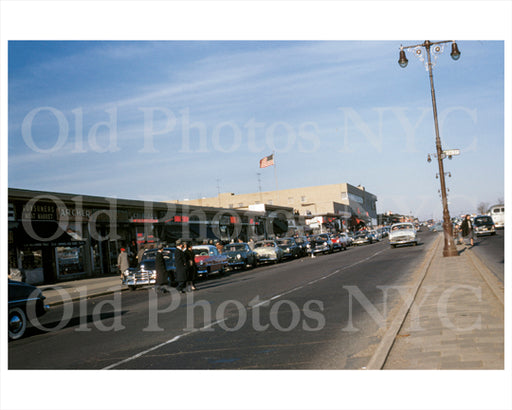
(342, 200)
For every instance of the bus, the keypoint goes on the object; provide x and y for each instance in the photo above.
(497, 213)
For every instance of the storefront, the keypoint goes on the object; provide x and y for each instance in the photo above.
(55, 237)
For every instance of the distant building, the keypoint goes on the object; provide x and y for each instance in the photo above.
(336, 203)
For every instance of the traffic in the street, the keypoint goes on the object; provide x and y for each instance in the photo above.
(307, 313)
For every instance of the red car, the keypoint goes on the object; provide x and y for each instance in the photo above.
(209, 260)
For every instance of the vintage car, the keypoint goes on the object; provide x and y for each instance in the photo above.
(363, 237)
(402, 234)
(26, 302)
(322, 243)
(145, 273)
(484, 225)
(209, 260)
(339, 242)
(302, 242)
(347, 238)
(267, 251)
(289, 247)
(240, 255)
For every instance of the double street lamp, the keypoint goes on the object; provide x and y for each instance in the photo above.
(436, 48)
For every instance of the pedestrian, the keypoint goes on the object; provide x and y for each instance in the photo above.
(467, 230)
(161, 283)
(312, 245)
(181, 267)
(219, 246)
(191, 267)
(122, 261)
(251, 243)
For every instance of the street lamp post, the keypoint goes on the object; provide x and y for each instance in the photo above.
(449, 246)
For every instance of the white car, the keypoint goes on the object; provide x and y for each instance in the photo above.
(402, 234)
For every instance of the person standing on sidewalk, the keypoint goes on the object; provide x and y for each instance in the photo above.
(181, 267)
(122, 261)
(467, 230)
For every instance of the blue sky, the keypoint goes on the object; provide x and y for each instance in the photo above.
(173, 119)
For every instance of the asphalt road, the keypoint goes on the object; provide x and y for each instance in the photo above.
(322, 313)
(490, 249)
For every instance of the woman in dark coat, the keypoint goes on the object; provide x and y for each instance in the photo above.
(467, 230)
(191, 267)
(161, 271)
(181, 267)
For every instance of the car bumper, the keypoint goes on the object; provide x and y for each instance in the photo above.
(485, 232)
(138, 282)
(402, 241)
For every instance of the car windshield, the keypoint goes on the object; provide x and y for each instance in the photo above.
(234, 248)
(200, 252)
(264, 244)
(401, 227)
(483, 220)
(284, 242)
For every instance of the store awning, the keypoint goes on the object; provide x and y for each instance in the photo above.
(45, 234)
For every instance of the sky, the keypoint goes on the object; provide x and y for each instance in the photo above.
(166, 120)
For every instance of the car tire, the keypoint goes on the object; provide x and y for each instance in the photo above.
(17, 323)
(132, 287)
(393, 246)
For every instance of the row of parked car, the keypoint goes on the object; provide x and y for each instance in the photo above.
(240, 255)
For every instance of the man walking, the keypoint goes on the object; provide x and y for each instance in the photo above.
(181, 268)
(161, 271)
(122, 261)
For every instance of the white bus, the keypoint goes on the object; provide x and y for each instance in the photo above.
(497, 213)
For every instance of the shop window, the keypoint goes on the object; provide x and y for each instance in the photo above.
(32, 265)
(70, 260)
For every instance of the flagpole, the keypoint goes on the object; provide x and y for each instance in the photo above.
(275, 174)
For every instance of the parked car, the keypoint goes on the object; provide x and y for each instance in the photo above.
(348, 238)
(209, 260)
(322, 243)
(268, 251)
(26, 302)
(339, 242)
(363, 237)
(376, 235)
(240, 255)
(145, 273)
(484, 225)
(402, 234)
(289, 247)
(302, 242)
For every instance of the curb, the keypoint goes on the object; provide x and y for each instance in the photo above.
(382, 352)
(89, 296)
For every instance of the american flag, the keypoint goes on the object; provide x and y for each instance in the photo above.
(267, 161)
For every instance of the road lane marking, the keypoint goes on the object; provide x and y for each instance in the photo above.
(178, 337)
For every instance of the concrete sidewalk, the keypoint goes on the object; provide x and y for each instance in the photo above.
(456, 320)
(63, 292)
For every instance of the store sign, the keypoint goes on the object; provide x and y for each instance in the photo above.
(40, 212)
(74, 213)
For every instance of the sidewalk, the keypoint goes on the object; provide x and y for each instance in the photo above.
(456, 320)
(62, 292)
